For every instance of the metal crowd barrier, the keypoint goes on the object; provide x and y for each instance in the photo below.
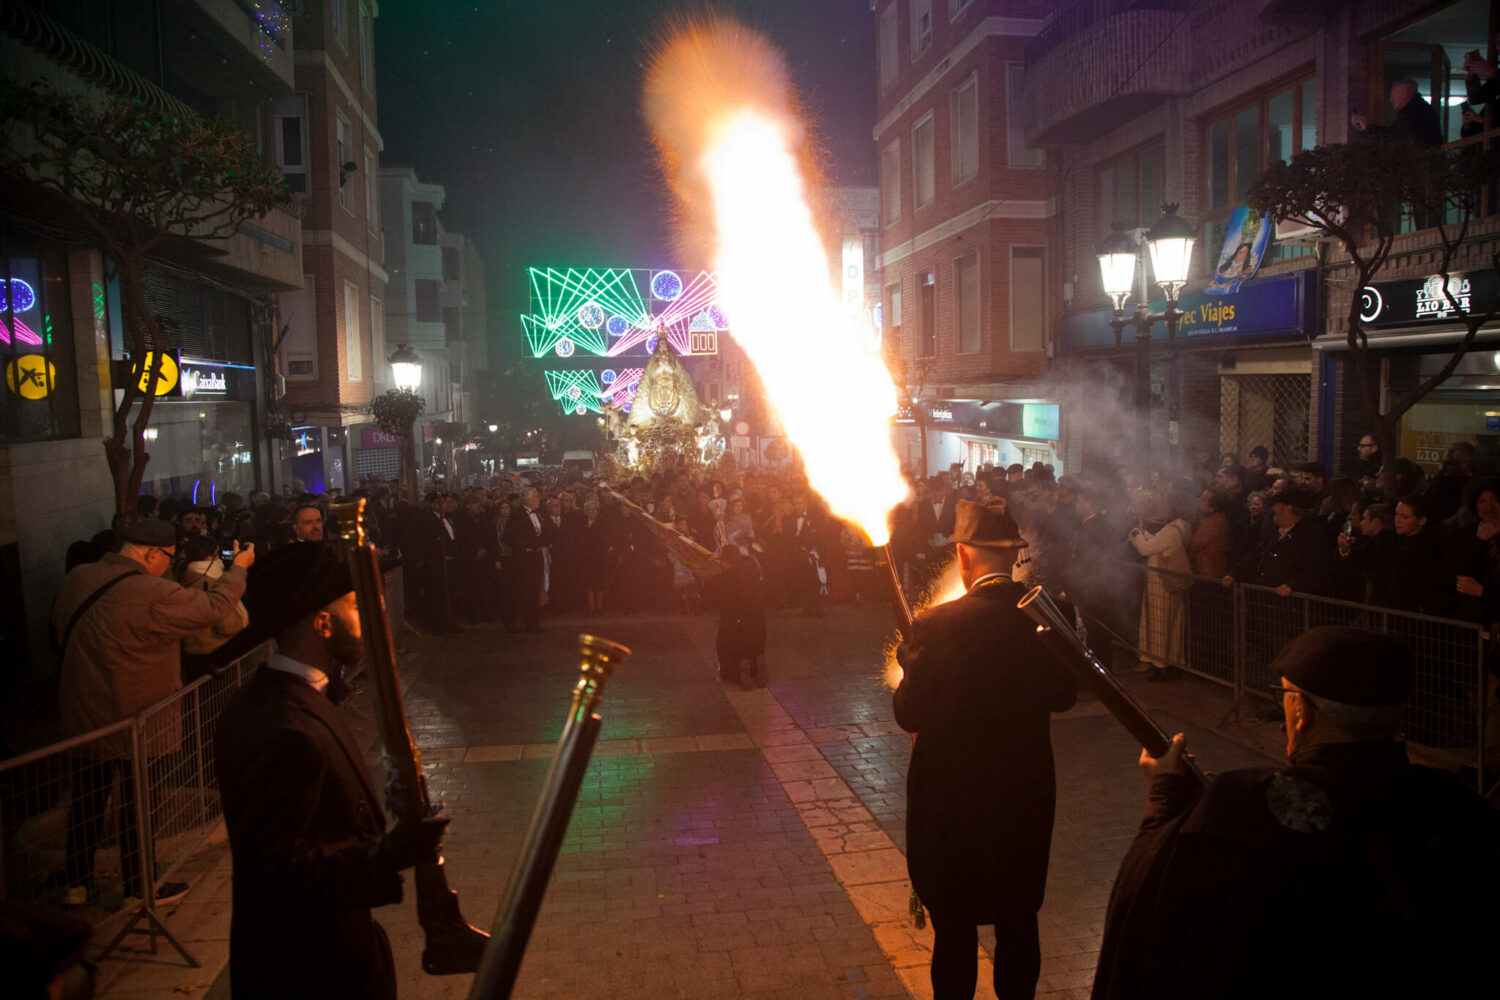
(128, 803)
(1230, 635)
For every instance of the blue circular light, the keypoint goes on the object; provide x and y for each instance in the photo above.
(607, 376)
(564, 348)
(574, 392)
(651, 343)
(590, 316)
(666, 286)
(616, 326)
(627, 405)
(22, 297)
(716, 316)
(580, 410)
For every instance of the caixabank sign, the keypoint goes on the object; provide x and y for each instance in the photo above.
(1433, 299)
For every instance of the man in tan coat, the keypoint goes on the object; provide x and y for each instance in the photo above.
(120, 623)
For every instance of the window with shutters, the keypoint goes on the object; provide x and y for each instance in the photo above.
(889, 48)
(354, 350)
(924, 182)
(966, 297)
(965, 129)
(890, 182)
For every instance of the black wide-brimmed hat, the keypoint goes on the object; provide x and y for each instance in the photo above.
(1295, 497)
(292, 582)
(1350, 665)
(986, 526)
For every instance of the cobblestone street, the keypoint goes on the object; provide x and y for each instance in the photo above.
(725, 843)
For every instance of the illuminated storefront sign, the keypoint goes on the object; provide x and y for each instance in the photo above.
(1426, 300)
(1281, 306)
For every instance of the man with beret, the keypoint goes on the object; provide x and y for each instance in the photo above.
(1351, 872)
(311, 853)
(119, 624)
(978, 689)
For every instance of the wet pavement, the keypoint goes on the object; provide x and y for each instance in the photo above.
(725, 843)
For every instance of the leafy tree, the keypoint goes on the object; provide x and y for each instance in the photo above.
(395, 411)
(134, 177)
(1356, 195)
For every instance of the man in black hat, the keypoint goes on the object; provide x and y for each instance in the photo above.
(306, 831)
(1298, 557)
(978, 689)
(1351, 872)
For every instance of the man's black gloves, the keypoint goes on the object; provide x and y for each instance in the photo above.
(412, 842)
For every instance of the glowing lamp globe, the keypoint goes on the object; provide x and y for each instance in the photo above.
(1117, 260)
(1171, 242)
(406, 368)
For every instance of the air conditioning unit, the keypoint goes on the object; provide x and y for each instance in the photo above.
(1305, 231)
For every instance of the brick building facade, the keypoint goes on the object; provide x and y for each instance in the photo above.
(328, 143)
(1140, 103)
(968, 213)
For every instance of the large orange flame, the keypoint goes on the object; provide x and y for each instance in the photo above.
(734, 146)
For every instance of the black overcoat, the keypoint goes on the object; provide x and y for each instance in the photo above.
(978, 691)
(302, 817)
(1352, 873)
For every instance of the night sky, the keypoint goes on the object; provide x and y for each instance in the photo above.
(527, 112)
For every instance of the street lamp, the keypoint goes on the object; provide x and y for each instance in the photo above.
(1121, 264)
(494, 428)
(406, 372)
(406, 368)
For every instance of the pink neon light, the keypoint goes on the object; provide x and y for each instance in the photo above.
(24, 333)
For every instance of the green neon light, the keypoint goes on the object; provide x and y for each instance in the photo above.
(561, 385)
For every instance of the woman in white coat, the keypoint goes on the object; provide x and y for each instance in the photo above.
(1163, 609)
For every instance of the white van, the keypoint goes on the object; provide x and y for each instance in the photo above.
(579, 464)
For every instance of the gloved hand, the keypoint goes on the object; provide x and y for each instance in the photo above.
(412, 841)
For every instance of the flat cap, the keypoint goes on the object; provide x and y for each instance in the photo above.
(150, 531)
(1349, 665)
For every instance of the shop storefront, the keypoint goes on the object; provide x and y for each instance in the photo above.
(379, 454)
(202, 438)
(1238, 374)
(975, 433)
(1415, 329)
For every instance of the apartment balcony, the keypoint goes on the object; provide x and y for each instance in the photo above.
(230, 48)
(265, 255)
(1115, 66)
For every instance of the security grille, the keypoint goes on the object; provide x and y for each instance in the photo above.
(1270, 410)
(378, 462)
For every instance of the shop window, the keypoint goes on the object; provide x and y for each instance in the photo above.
(1272, 124)
(966, 305)
(965, 131)
(923, 178)
(39, 397)
(1028, 300)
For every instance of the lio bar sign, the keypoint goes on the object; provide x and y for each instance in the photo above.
(1428, 300)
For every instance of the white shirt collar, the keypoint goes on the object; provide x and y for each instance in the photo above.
(297, 668)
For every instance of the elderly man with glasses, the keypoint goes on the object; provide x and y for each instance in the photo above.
(1348, 871)
(119, 625)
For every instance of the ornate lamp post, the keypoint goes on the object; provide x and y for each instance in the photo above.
(1121, 265)
(406, 372)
